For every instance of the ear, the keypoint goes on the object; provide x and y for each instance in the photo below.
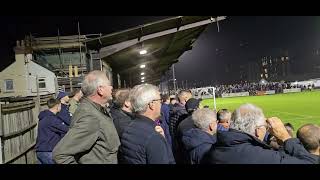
(256, 132)
(99, 91)
(151, 105)
(213, 126)
(210, 127)
(57, 107)
(127, 104)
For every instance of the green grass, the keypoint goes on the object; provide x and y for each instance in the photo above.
(296, 108)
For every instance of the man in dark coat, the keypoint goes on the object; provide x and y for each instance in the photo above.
(177, 114)
(178, 111)
(140, 142)
(309, 135)
(243, 143)
(223, 117)
(186, 124)
(196, 142)
(121, 111)
(165, 117)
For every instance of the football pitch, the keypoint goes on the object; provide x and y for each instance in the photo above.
(296, 108)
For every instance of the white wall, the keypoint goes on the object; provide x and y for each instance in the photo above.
(36, 70)
(15, 71)
(24, 72)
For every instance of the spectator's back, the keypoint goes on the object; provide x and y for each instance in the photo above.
(243, 143)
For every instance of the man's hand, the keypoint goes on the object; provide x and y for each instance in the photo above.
(159, 130)
(277, 129)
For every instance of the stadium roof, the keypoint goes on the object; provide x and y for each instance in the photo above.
(163, 42)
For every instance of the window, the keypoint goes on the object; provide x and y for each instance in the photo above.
(8, 83)
(42, 83)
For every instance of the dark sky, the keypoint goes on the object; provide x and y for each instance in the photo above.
(245, 39)
(241, 39)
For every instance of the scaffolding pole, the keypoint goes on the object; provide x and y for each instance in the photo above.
(80, 48)
(61, 66)
(174, 79)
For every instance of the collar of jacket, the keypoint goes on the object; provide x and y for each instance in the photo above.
(130, 114)
(234, 137)
(100, 108)
(195, 137)
(145, 119)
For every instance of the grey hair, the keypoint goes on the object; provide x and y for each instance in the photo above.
(141, 95)
(247, 118)
(202, 118)
(92, 81)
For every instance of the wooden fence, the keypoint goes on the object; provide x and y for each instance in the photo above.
(18, 129)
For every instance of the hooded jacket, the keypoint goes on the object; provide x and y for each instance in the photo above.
(50, 131)
(235, 147)
(196, 143)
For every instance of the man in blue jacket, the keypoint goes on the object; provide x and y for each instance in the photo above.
(309, 135)
(121, 111)
(140, 142)
(197, 141)
(223, 117)
(165, 117)
(180, 153)
(64, 114)
(243, 143)
(50, 131)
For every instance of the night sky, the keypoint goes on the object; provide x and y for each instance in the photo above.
(241, 39)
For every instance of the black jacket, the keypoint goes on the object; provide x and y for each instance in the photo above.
(177, 114)
(185, 125)
(179, 153)
(196, 143)
(121, 119)
(141, 144)
(235, 147)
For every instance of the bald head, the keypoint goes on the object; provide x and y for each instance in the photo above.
(309, 135)
(184, 96)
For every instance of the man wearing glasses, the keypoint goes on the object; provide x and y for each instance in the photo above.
(140, 142)
(243, 143)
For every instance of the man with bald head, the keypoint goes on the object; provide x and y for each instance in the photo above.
(179, 111)
(177, 114)
(309, 135)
